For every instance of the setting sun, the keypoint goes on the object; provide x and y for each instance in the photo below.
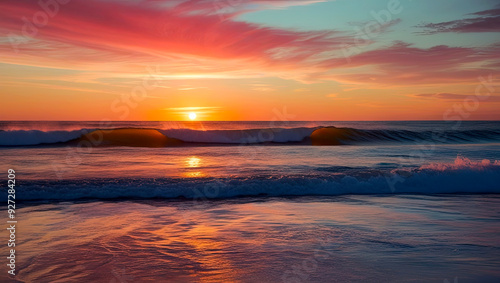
(250, 140)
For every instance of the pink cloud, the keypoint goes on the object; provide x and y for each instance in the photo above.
(144, 28)
(402, 64)
(454, 96)
(188, 37)
(184, 39)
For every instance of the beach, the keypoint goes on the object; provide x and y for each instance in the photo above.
(410, 238)
(398, 207)
(250, 141)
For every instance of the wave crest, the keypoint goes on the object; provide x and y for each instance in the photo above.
(443, 178)
(308, 136)
(462, 163)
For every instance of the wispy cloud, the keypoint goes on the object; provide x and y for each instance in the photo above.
(190, 88)
(184, 109)
(187, 36)
(484, 21)
(404, 64)
(454, 96)
(187, 39)
(262, 87)
(301, 90)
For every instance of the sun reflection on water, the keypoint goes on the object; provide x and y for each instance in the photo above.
(192, 166)
(193, 162)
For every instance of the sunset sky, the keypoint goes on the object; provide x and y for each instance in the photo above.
(249, 59)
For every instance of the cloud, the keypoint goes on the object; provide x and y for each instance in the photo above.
(453, 96)
(301, 90)
(370, 27)
(200, 111)
(187, 39)
(187, 36)
(190, 88)
(262, 87)
(484, 21)
(404, 64)
(192, 108)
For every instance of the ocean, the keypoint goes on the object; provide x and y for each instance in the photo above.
(275, 201)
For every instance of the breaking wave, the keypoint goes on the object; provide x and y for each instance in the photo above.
(459, 177)
(176, 137)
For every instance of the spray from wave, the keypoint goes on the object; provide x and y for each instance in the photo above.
(462, 163)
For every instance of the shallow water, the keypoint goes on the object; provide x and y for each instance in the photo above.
(400, 207)
(50, 173)
(306, 239)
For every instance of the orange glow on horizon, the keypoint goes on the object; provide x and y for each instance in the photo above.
(191, 66)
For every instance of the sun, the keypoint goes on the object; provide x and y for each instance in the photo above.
(192, 116)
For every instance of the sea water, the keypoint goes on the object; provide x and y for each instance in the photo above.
(256, 202)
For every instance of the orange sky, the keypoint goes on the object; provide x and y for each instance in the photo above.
(161, 60)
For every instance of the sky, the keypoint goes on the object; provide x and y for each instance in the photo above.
(254, 60)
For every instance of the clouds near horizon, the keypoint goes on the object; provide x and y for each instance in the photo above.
(101, 44)
(189, 37)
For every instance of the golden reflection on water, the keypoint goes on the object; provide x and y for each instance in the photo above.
(234, 241)
(193, 174)
(193, 164)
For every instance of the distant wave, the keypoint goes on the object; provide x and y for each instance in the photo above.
(176, 137)
(251, 136)
(441, 178)
(35, 137)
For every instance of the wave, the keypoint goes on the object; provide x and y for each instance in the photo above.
(250, 136)
(177, 137)
(459, 177)
(36, 137)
